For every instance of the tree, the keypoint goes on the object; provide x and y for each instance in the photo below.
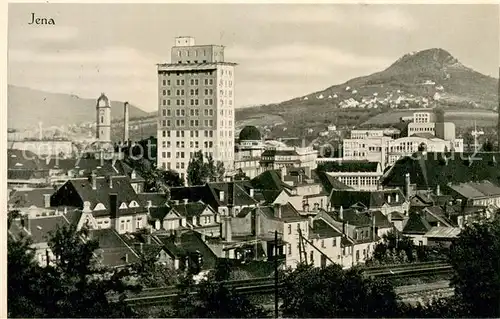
(332, 292)
(220, 171)
(151, 274)
(156, 180)
(24, 281)
(487, 146)
(73, 286)
(475, 257)
(201, 171)
(213, 299)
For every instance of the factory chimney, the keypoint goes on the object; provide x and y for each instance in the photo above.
(125, 122)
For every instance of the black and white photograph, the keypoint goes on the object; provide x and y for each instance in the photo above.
(253, 160)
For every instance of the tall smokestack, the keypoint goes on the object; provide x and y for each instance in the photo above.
(125, 122)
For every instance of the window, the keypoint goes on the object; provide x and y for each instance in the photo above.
(334, 242)
(322, 243)
(311, 256)
(289, 229)
(289, 249)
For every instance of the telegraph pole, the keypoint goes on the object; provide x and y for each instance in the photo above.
(275, 274)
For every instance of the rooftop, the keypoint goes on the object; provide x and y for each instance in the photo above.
(443, 232)
(427, 170)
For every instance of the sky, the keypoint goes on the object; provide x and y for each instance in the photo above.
(282, 50)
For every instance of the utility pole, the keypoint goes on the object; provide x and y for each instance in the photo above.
(275, 274)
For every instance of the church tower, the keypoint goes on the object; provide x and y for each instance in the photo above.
(103, 113)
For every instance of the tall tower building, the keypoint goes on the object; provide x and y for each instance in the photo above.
(195, 106)
(103, 121)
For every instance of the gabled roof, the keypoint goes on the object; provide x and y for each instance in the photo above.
(437, 214)
(370, 199)
(266, 196)
(361, 218)
(476, 189)
(210, 194)
(141, 245)
(329, 182)
(83, 188)
(322, 229)
(159, 213)
(30, 197)
(443, 232)
(269, 180)
(416, 224)
(288, 213)
(240, 196)
(189, 243)
(39, 228)
(432, 169)
(113, 248)
(191, 209)
(156, 199)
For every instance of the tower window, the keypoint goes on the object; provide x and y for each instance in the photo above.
(102, 119)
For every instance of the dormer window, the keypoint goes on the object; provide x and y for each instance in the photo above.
(123, 206)
(133, 204)
(100, 206)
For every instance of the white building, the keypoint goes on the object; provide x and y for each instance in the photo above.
(195, 106)
(375, 145)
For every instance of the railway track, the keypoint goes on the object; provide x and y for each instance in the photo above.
(266, 285)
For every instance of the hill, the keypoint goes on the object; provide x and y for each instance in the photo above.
(26, 107)
(426, 79)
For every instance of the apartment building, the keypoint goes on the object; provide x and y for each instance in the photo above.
(195, 106)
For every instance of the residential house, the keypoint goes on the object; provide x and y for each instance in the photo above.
(106, 202)
(31, 200)
(38, 228)
(113, 250)
(483, 193)
(461, 214)
(61, 170)
(323, 247)
(257, 226)
(441, 236)
(197, 216)
(220, 196)
(385, 200)
(363, 229)
(416, 227)
(187, 250)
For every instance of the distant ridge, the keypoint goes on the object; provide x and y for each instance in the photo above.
(428, 78)
(27, 107)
